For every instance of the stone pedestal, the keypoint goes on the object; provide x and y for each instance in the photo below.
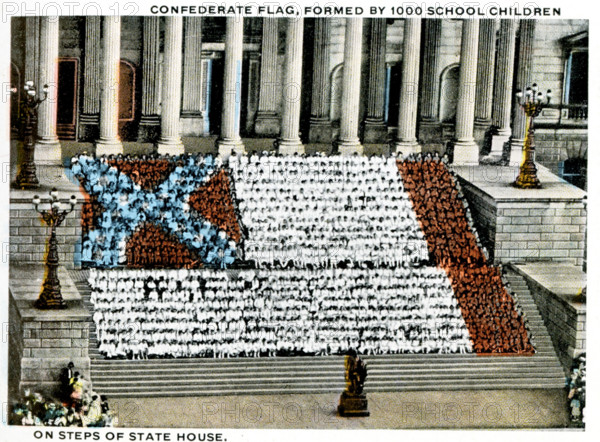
(42, 342)
(518, 225)
(352, 405)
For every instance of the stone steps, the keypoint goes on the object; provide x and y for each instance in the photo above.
(324, 374)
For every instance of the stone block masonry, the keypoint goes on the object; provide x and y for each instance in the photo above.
(29, 235)
(553, 146)
(554, 288)
(518, 225)
(43, 342)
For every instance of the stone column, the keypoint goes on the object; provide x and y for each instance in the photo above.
(375, 125)
(109, 142)
(230, 142)
(466, 151)
(32, 51)
(320, 124)
(485, 78)
(88, 120)
(170, 132)
(47, 146)
(429, 127)
(406, 138)
(192, 113)
(267, 121)
(523, 80)
(348, 142)
(503, 85)
(289, 140)
(149, 128)
(430, 78)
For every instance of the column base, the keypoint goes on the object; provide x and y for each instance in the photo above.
(406, 147)
(228, 147)
(375, 133)
(89, 128)
(480, 130)
(466, 153)
(192, 125)
(348, 148)
(267, 124)
(515, 156)
(170, 146)
(289, 147)
(149, 128)
(108, 147)
(320, 131)
(47, 153)
(498, 142)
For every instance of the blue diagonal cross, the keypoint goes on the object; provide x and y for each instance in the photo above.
(127, 206)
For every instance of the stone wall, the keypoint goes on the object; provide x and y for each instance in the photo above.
(555, 145)
(15, 349)
(43, 342)
(48, 346)
(564, 317)
(517, 225)
(29, 236)
(530, 231)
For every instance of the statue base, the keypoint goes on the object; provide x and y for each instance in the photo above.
(353, 405)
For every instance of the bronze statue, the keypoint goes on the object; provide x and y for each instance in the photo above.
(356, 373)
(353, 402)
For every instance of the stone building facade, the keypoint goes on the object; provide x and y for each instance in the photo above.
(161, 79)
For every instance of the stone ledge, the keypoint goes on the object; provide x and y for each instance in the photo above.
(495, 182)
(25, 283)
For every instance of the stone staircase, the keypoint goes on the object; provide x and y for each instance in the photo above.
(311, 375)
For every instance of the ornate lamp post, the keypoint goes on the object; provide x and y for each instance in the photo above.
(532, 102)
(51, 298)
(26, 178)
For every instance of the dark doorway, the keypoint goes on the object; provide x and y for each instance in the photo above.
(395, 82)
(215, 94)
(128, 101)
(66, 117)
